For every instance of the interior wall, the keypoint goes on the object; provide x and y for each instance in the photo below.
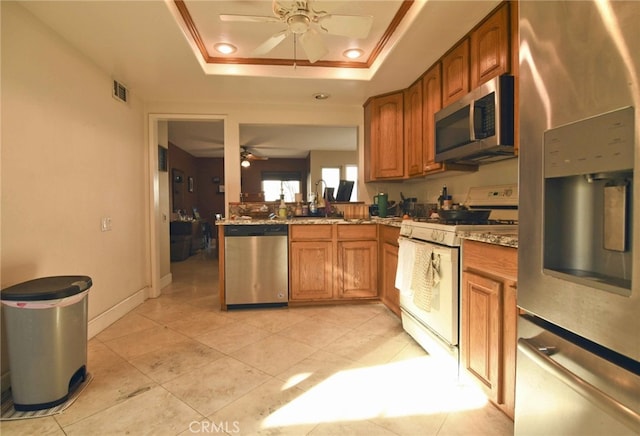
(185, 162)
(235, 114)
(165, 208)
(71, 156)
(427, 190)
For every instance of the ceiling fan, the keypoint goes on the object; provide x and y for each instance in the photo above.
(247, 156)
(299, 17)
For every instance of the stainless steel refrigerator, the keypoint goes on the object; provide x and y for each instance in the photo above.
(579, 233)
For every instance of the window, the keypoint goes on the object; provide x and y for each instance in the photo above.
(332, 177)
(274, 183)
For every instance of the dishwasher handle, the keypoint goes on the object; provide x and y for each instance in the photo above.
(235, 230)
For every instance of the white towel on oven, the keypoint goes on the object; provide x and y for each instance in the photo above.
(404, 270)
(426, 275)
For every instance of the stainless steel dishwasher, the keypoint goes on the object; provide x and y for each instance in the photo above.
(256, 260)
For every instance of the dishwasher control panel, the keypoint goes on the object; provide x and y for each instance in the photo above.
(231, 230)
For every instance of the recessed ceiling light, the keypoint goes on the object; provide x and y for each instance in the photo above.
(224, 48)
(321, 96)
(353, 53)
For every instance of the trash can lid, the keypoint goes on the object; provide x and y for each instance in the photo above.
(47, 288)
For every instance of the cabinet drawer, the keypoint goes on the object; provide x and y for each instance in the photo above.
(493, 259)
(389, 234)
(357, 232)
(311, 232)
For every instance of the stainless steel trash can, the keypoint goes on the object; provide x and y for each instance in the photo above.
(46, 329)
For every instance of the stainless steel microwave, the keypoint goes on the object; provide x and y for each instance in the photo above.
(478, 128)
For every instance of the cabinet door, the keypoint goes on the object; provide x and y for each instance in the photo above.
(357, 269)
(432, 103)
(390, 295)
(413, 128)
(455, 73)
(387, 141)
(482, 315)
(369, 136)
(311, 266)
(490, 47)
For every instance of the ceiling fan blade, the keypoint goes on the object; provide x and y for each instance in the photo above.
(313, 45)
(245, 153)
(249, 18)
(270, 43)
(254, 157)
(353, 26)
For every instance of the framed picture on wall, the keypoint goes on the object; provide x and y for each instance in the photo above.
(190, 184)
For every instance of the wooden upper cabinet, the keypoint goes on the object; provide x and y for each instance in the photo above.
(368, 141)
(387, 137)
(490, 47)
(413, 129)
(431, 103)
(455, 73)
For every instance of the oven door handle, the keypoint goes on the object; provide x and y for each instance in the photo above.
(415, 241)
(540, 356)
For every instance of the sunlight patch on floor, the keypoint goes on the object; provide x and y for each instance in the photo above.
(417, 386)
(295, 380)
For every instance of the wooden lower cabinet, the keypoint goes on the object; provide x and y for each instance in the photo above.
(489, 317)
(482, 324)
(311, 270)
(333, 262)
(389, 294)
(357, 269)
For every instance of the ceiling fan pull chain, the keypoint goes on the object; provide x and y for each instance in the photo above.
(295, 41)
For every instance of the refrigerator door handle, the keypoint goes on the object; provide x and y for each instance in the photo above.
(596, 396)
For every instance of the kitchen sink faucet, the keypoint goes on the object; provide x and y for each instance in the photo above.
(323, 202)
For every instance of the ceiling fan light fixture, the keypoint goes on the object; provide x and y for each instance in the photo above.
(298, 23)
(353, 53)
(225, 48)
(245, 163)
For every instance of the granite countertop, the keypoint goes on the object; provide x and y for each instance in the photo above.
(506, 238)
(393, 222)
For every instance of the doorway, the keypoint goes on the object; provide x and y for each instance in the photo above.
(162, 210)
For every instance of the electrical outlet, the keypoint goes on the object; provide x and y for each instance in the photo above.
(105, 224)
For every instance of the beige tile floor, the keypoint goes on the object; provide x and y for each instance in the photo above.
(177, 365)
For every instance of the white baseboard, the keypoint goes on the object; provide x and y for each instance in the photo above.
(166, 280)
(105, 319)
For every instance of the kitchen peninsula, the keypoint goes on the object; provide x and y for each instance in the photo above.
(330, 260)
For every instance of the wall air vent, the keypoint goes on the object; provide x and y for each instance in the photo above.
(120, 91)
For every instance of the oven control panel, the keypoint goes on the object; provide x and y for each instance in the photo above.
(428, 232)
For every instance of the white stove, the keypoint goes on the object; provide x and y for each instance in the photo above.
(502, 200)
(446, 234)
(430, 308)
